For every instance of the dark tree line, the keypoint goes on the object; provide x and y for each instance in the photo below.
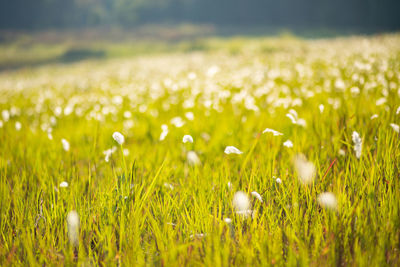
(41, 14)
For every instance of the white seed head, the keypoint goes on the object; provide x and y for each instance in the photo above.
(374, 116)
(187, 138)
(118, 137)
(321, 108)
(395, 127)
(357, 144)
(241, 202)
(275, 133)
(278, 180)
(257, 195)
(192, 158)
(73, 227)
(65, 144)
(228, 220)
(398, 111)
(327, 200)
(232, 150)
(18, 125)
(64, 184)
(305, 169)
(288, 144)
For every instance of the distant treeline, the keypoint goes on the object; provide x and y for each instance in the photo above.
(42, 14)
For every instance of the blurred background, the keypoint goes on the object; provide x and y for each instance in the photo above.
(37, 32)
(359, 15)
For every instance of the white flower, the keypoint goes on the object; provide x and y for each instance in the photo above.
(169, 186)
(278, 180)
(327, 200)
(288, 144)
(73, 227)
(374, 116)
(189, 115)
(6, 115)
(65, 144)
(18, 125)
(64, 184)
(232, 150)
(177, 121)
(257, 195)
(228, 220)
(126, 152)
(321, 108)
(187, 138)
(107, 154)
(381, 101)
(164, 132)
(192, 158)
(305, 169)
(395, 127)
(292, 118)
(342, 152)
(241, 202)
(357, 144)
(118, 137)
(275, 133)
(398, 111)
(229, 185)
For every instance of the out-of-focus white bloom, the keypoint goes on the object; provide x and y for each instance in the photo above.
(288, 144)
(6, 115)
(395, 127)
(321, 108)
(192, 158)
(305, 169)
(126, 152)
(18, 125)
(327, 200)
(65, 144)
(189, 115)
(1, 124)
(187, 138)
(108, 153)
(275, 133)
(228, 220)
(302, 122)
(241, 202)
(164, 132)
(177, 122)
(212, 71)
(342, 152)
(354, 90)
(169, 186)
(357, 144)
(398, 111)
(278, 180)
(64, 184)
(229, 185)
(257, 195)
(127, 114)
(292, 118)
(381, 101)
(118, 137)
(374, 116)
(73, 227)
(232, 150)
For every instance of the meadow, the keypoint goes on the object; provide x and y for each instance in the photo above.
(220, 152)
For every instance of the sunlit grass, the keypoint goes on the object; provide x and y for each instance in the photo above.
(154, 199)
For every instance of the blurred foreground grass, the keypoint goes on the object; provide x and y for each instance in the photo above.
(156, 200)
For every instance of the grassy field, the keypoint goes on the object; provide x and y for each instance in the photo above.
(314, 179)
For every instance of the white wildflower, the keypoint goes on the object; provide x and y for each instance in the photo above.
(189, 115)
(65, 144)
(327, 200)
(257, 195)
(169, 186)
(321, 108)
(241, 202)
(395, 127)
(398, 111)
(232, 150)
(357, 144)
(126, 152)
(177, 122)
(288, 144)
(381, 101)
(118, 137)
(187, 138)
(73, 227)
(374, 116)
(18, 125)
(228, 220)
(278, 180)
(64, 184)
(305, 169)
(342, 152)
(192, 158)
(275, 133)
(164, 132)
(6, 115)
